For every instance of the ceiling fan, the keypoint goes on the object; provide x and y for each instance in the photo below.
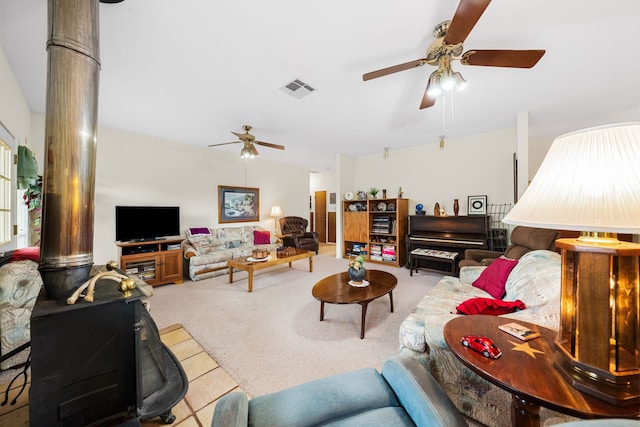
(249, 149)
(448, 47)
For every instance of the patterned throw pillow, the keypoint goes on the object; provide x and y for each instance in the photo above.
(201, 244)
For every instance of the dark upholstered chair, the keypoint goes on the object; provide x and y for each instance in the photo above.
(295, 234)
(523, 240)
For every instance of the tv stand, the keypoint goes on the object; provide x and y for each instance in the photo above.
(157, 262)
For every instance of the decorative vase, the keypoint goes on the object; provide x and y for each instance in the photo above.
(456, 207)
(436, 209)
(357, 276)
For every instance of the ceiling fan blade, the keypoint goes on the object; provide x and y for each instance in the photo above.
(225, 143)
(427, 101)
(268, 144)
(502, 58)
(393, 69)
(465, 18)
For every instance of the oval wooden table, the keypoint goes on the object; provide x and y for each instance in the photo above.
(526, 370)
(335, 289)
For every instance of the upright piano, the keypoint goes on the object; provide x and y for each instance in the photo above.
(447, 233)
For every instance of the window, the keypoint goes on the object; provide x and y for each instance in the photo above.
(5, 192)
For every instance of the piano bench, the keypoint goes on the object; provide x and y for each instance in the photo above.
(433, 255)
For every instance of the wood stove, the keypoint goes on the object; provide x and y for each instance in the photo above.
(100, 362)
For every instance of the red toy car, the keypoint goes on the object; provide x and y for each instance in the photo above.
(481, 344)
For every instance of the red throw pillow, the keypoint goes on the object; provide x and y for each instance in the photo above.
(489, 306)
(32, 253)
(261, 237)
(494, 277)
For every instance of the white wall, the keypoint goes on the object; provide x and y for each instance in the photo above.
(324, 181)
(477, 165)
(141, 170)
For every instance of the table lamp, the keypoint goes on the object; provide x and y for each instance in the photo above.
(589, 181)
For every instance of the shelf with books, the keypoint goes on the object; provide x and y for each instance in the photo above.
(382, 225)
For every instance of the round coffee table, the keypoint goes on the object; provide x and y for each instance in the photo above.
(335, 289)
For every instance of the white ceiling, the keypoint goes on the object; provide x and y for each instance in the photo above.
(194, 70)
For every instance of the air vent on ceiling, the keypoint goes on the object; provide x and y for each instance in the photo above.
(298, 89)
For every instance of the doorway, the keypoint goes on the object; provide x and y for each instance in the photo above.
(320, 215)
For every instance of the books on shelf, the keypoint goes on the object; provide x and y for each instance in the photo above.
(357, 249)
(376, 252)
(381, 225)
(517, 330)
(389, 253)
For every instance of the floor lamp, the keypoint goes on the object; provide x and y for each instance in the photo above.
(275, 212)
(590, 182)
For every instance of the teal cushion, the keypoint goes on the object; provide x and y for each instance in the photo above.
(232, 410)
(321, 401)
(391, 416)
(420, 394)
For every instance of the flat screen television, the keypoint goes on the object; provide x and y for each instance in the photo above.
(140, 223)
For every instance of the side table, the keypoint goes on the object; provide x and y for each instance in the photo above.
(526, 370)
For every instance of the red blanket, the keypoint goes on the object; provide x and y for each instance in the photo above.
(490, 306)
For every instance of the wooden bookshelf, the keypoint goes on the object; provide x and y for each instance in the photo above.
(375, 229)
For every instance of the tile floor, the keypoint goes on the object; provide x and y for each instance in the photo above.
(207, 382)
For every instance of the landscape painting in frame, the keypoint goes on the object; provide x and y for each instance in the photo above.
(238, 204)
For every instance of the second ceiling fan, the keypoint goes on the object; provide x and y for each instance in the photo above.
(249, 149)
(448, 47)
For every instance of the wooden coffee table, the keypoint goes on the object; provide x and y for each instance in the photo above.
(335, 289)
(526, 370)
(246, 264)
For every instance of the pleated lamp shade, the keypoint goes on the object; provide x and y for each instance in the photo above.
(589, 181)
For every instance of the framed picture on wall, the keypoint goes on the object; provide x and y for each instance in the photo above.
(238, 204)
(477, 205)
(332, 198)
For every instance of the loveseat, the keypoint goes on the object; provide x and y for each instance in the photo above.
(207, 250)
(534, 280)
(403, 394)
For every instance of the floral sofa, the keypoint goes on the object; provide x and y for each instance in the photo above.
(20, 284)
(207, 250)
(535, 280)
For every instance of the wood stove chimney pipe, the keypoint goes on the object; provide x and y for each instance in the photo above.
(73, 69)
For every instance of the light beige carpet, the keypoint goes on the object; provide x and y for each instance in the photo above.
(271, 338)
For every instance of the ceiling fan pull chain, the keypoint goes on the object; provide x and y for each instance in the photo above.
(452, 108)
(444, 111)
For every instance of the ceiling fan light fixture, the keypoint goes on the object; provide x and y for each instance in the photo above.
(248, 151)
(434, 85)
(447, 81)
(461, 83)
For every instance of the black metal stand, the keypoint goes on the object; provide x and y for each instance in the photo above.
(23, 372)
